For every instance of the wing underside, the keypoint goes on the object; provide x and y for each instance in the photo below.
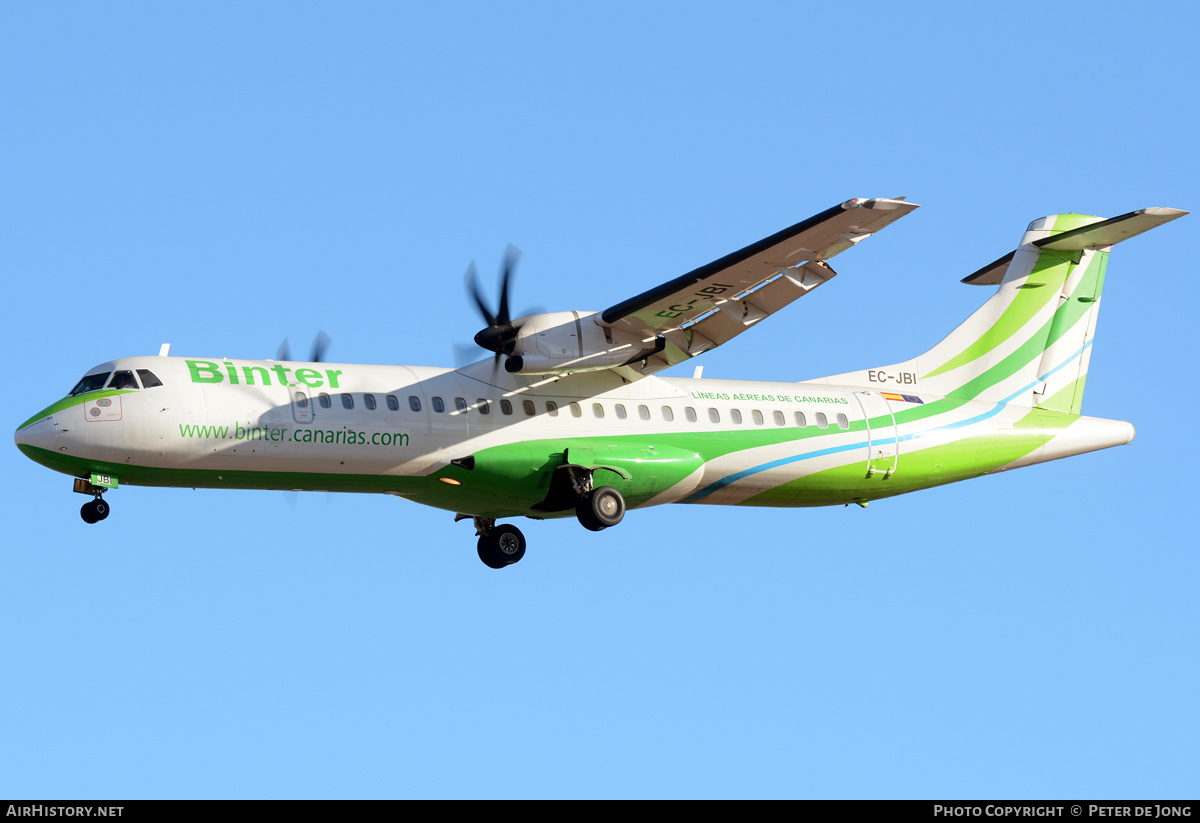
(714, 303)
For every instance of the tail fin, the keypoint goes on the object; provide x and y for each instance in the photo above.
(1031, 342)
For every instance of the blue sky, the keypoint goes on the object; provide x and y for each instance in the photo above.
(221, 176)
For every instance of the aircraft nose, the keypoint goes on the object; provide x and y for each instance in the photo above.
(39, 434)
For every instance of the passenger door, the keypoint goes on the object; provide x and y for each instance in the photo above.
(883, 441)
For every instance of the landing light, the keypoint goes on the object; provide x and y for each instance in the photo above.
(450, 481)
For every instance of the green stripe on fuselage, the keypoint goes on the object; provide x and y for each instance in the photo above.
(1050, 271)
(68, 402)
(1063, 319)
(509, 480)
(919, 469)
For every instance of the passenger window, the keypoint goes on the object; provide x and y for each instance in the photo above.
(91, 382)
(644, 412)
(620, 412)
(576, 411)
(460, 404)
(149, 381)
(347, 401)
(690, 414)
(714, 416)
(123, 379)
(552, 408)
(597, 411)
(392, 403)
(800, 421)
(668, 414)
(822, 422)
(324, 400)
(484, 408)
(505, 406)
(414, 403)
(756, 415)
(843, 422)
(527, 405)
(777, 416)
(369, 401)
(301, 400)
(439, 405)
(736, 416)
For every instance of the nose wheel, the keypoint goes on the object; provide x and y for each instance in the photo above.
(94, 511)
(499, 546)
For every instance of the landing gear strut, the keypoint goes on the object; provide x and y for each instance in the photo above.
(499, 546)
(596, 508)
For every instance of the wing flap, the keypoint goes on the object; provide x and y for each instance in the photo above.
(721, 325)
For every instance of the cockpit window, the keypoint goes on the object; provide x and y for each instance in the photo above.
(123, 379)
(90, 382)
(149, 381)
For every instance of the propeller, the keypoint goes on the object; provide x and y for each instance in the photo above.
(500, 335)
(319, 347)
(317, 355)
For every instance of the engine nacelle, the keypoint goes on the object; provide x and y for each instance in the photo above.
(563, 342)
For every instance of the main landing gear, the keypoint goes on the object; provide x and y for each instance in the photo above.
(501, 546)
(600, 508)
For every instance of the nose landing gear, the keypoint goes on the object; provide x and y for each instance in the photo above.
(499, 546)
(94, 510)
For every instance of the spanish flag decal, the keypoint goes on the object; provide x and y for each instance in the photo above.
(901, 398)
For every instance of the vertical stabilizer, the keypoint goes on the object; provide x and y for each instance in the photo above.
(1031, 342)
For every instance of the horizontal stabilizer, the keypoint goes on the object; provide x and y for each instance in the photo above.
(991, 274)
(1111, 231)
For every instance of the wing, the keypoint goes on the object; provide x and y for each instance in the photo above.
(712, 304)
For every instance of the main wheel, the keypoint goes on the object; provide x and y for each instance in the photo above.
(502, 546)
(600, 508)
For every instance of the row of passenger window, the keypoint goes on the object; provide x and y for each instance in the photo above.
(484, 406)
(121, 379)
(326, 402)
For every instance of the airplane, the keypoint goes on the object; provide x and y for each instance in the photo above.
(568, 417)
